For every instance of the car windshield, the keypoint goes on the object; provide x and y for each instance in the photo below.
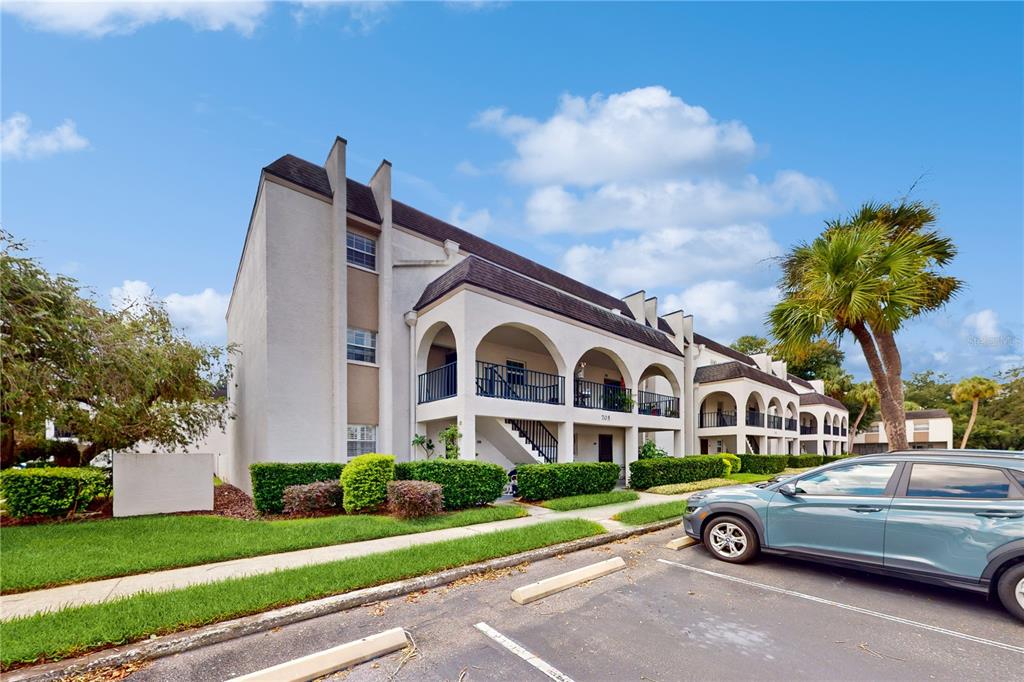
(855, 479)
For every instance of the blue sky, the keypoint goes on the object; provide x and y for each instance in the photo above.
(671, 147)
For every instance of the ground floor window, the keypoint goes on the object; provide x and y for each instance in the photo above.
(362, 438)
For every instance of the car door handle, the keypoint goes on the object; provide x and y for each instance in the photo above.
(996, 514)
(863, 509)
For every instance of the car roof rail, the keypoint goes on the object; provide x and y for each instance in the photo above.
(1010, 454)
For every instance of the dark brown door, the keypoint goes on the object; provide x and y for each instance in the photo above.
(604, 447)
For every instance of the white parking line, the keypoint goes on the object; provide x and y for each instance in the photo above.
(522, 653)
(848, 607)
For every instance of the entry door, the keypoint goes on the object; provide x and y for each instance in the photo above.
(604, 447)
(838, 512)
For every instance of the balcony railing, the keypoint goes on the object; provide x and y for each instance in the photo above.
(595, 396)
(844, 431)
(807, 430)
(710, 420)
(791, 424)
(519, 383)
(437, 384)
(755, 418)
(657, 405)
(774, 421)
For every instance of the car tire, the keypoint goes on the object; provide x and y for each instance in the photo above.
(731, 539)
(1011, 590)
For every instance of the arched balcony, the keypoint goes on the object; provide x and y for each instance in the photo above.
(755, 410)
(717, 409)
(602, 382)
(518, 362)
(436, 365)
(658, 392)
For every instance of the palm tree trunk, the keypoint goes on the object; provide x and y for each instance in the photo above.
(970, 422)
(853, 429)
(894, 370)
(893, 415)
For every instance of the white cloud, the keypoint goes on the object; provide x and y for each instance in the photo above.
(97, 19)
(983, 325)
(642, 133)
(476, 222)
(724, 307)
(708, 202)
(19, 141)
(199, 314)
(671, 257)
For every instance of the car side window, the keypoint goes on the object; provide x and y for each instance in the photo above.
(963, 482)
(856, 479)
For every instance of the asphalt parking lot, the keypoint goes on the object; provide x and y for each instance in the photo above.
(655, 621)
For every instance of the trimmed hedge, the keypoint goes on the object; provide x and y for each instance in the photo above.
(804, 461)
(764, 464)
(313, 498)
(464, 482)
(834, 458)
(414, 499)
(365, 482)
(647, 473)
(735, 463)
(548, 481)
(51, 491)
(269, 479)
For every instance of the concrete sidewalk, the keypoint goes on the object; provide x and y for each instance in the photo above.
(28, 603)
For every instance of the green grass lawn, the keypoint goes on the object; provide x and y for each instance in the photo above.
(57, 553)
(79, 629)
(651, 513)
(596, 500)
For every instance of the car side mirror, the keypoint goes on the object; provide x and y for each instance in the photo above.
(788, 489)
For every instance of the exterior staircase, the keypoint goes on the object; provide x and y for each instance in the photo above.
(541, 442)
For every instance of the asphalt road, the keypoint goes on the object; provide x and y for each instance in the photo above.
(657, 621)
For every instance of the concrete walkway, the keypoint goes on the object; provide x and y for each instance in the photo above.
(28, 603)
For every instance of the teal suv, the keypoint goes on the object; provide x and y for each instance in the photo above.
(950, 517)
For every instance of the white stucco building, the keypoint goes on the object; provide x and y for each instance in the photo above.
(925, 429)
(362, 322)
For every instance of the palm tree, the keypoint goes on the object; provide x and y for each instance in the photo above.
(866, 395)
(974, 390)
(867, 276)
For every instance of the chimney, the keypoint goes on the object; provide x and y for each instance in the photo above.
(651, 311)
(635, 304)
(380, 184)
(763, 362)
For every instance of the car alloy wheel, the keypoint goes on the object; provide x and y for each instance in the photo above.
(729, 540)
(1020, 592)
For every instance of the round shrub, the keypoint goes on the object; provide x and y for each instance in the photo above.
(269, 479)
(414, 499)
(312, 498)
(825, 459)
(735, 463)
(464, 482)
(51, 491)
(548, 481)
(804, 461)
(764, 464)
(647, 473)
(364, 481)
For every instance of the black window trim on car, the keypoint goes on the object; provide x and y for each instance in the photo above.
(1015, 492)
(888, 491)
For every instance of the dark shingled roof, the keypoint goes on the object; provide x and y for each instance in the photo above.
(360, 202)
(819, 399)
(800, 381)
(737, 370)
(723, 349)
(486, 275)
(927, 414)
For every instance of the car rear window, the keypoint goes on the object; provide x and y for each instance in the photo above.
(950, 480)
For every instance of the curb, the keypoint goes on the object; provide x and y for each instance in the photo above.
(188, 640)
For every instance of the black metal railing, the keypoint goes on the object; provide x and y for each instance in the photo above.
(537, 436)
(656, 404)
(437, 384)
(710, 420)
(755, 418)
(519, 383)
(843, 431)
(595, 396)
(807, 430)
(774, 421)
(827, 430)
(791, 424)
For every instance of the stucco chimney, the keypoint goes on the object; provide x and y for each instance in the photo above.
(763, 362)
(635, 304)
(651, 311)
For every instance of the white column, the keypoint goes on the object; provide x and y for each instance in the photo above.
(467, 426)
(380, 184)
(632, 445)
(566, 433)
(678, 440)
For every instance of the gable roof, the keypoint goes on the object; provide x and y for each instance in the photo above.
(725, 371)
(723, 349)
(308, 175)
(819, 399)
(486, 275)
(800, 381)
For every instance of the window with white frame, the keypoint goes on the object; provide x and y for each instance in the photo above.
(920, 426)
(361, 251)
(362, 438)
(362, 345)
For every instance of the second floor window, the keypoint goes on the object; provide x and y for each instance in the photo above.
(920, 426)
(361, 251)
(362, 345)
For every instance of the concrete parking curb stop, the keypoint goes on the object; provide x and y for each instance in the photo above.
(563, 581)
(681, 543)
(261, 622)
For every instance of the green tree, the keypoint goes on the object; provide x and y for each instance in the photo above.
(450, 436)
(973, 390)
(867, 276)
(865, 395)
(817, 360)
(751, 345)
(112, 377)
